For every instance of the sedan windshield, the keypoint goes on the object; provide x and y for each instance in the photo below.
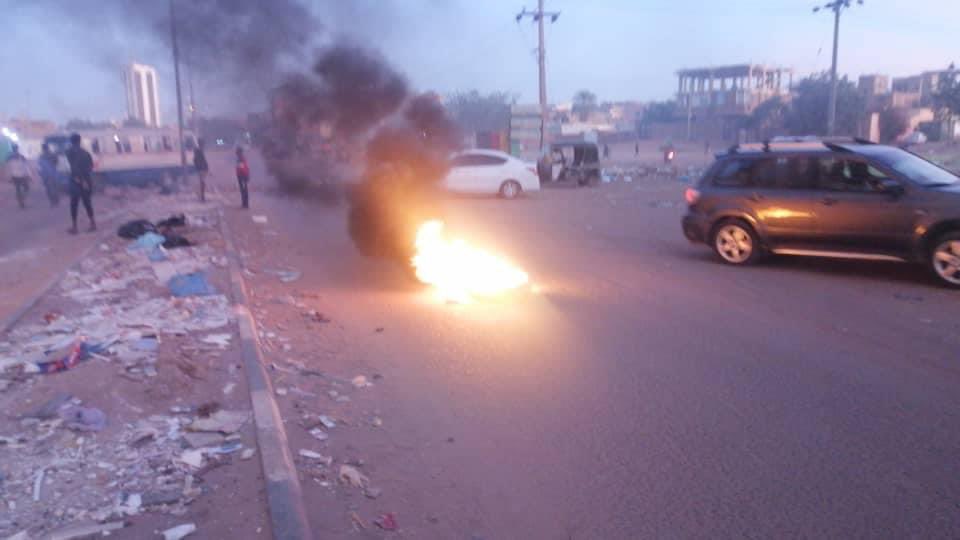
(913, 167)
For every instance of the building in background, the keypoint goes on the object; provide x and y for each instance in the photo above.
(715, 101)
(874, 84)
(917, 90)
(525, 130)
(143, 100)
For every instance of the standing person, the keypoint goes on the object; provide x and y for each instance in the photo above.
(203, 168)
(47, 165)
(243, 177)
(636, 149)
(18, 171)
(81, 181)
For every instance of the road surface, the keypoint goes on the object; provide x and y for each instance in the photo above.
(645, 391)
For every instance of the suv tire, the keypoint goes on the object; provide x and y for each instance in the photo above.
(944, 259)
(735, 242)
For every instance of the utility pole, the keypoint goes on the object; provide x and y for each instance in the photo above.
(836, 6)
(176, 74)
(538, 16)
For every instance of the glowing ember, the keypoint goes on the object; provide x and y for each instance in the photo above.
(459, 271)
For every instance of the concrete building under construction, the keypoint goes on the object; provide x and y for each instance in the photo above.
(717, 100)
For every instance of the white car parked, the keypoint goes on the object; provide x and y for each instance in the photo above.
(491, 172)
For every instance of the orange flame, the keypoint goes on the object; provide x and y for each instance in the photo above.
(459, 271)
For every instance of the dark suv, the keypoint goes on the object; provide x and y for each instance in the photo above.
(828, 198)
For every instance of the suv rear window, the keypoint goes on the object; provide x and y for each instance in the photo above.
(734, 173)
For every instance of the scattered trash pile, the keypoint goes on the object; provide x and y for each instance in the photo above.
(639, 172)
(78, 468)
(75, 481)
(623, 174)
(122, 318)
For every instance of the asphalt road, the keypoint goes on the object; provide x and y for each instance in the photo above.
(646, 390)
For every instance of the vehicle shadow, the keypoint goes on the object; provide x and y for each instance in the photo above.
(873, 270)
(892, 272)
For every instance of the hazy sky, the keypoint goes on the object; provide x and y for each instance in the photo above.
(57, 69)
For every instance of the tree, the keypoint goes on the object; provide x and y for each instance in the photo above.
(807, 114)
(948, 91)
(584, 103)
(80, 124)
(767, 119)
(893, 124)
(661, 111)
(476, 112)
(134, 123)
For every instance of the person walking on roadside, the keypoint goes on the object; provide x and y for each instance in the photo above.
(243, 177)
(81, 181)
(47, 166)
(203, 168)
(18, 171)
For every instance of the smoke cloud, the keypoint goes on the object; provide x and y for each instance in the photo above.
(354, 102)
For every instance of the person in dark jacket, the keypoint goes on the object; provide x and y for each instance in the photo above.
(203, 168)
(243, 177)
(81, 181)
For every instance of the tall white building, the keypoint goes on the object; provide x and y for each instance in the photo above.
(143, 102)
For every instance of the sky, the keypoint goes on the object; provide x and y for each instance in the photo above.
(57, 68)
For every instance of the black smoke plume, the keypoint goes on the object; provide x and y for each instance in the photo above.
(353, 100)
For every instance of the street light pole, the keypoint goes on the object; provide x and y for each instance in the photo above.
(836, 6)
(176, 75)
(832, 107)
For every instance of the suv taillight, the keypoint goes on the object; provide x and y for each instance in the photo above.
(691, 195)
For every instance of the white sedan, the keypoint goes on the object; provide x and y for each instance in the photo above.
(491, 172)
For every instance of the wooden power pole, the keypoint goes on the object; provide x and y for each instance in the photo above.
(538, 16)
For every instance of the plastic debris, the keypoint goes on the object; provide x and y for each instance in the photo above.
(360, 381)
(221, 421)
(247, 453)
(327, 422)
(227, 448)
(228, 388)
(387, 522)
(372, 492)
(38, 483)
(194, 284)
(259, 219)
(146, 242)
(310, 454)
(319, 434)
(203, 439)
(377, 421)
(350, 475)
(180, 531)
(193, 458)
(77, 353)
(285, 275)
(148, 343)
(84, 418)
(220, 340)
(83, 530)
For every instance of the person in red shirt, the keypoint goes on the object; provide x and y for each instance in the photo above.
(243, 177)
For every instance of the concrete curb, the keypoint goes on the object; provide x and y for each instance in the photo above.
(11, 320)
(288, 516)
